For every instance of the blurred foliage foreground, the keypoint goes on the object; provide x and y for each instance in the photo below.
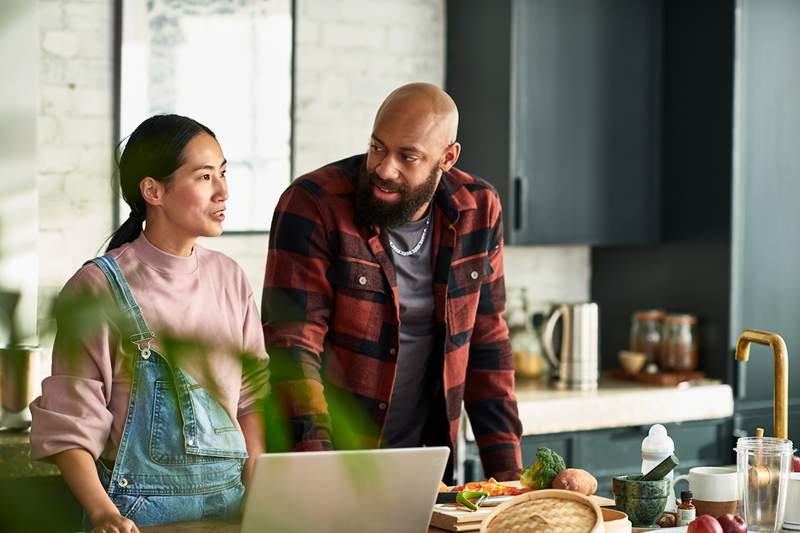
(80, 315)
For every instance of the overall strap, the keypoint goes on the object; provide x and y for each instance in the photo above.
(126, 302)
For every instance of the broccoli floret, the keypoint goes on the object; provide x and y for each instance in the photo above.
(540, 475)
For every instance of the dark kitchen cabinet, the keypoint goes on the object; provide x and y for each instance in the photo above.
(610, 452)
(560, 110)
(731, 179)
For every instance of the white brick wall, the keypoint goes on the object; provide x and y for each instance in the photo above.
(349, 55)
(74, 137)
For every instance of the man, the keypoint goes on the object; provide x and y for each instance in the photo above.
(384, 295)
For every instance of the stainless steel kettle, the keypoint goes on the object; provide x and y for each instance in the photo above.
(577, 365)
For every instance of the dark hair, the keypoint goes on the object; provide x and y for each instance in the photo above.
(154, 149)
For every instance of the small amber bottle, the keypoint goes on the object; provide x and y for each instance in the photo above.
(686, 510)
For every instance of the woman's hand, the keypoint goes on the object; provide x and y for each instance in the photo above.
(114, 524)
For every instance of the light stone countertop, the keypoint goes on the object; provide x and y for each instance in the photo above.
(544, 409)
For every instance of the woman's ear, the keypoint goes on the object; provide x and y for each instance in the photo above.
(152, 190)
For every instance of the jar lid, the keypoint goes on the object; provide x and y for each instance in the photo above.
(676, 318)
(686, 495)
(648, 314)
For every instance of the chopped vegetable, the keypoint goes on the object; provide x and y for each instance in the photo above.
(540, 475)
(465, 497)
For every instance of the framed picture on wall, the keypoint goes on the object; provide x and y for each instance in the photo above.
(226, 64)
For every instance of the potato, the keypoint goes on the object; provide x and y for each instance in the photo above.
(576, 480)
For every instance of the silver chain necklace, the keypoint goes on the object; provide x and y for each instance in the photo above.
(415, 249)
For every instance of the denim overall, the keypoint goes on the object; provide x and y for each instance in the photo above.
(180, 457)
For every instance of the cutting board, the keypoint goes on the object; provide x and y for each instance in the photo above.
(454, 517)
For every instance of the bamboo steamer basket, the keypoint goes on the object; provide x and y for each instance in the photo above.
(546, 511)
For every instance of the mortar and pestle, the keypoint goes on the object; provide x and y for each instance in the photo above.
(644, 497)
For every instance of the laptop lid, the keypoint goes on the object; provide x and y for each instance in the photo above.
(388, 490)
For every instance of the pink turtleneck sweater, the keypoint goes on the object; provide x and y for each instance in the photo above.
(204, 296)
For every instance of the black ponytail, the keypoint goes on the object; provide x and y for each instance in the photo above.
(154, 149)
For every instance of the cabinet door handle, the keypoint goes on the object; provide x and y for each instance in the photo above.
(519, 197)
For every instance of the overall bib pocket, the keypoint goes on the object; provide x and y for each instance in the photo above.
(208, 433)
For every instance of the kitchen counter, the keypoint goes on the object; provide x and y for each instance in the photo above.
(15, 457)
(544, 409)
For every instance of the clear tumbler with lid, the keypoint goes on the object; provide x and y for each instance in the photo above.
(762, 464)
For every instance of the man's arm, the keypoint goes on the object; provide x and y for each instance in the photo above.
(489, 388)
(296, 307)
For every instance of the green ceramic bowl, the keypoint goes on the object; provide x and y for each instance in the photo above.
(642, 501)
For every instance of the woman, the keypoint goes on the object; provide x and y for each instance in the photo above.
(140, 439)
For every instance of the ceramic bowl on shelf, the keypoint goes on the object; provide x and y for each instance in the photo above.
(632, 362)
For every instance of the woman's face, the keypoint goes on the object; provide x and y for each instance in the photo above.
(193, 204)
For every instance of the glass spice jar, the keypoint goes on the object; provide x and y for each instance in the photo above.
(679, 345)
(646, 334)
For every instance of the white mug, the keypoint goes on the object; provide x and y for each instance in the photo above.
(714, 489)
(792, 513)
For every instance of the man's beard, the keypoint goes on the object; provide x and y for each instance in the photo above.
(372, 210)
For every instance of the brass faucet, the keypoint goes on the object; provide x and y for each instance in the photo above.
(781, 372)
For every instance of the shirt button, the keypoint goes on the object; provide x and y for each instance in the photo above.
(382, 406)
(392, 351)
(474, 274)
(362, 280)
(146, 353)
(190, 442)
(122, 482)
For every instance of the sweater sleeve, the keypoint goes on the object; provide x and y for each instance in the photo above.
(255, 375)
(72, 411)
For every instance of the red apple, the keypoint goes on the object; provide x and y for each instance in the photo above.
(732, 523)
(705, 523)
(795, 464)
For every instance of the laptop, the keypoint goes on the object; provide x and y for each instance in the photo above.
(388, 490)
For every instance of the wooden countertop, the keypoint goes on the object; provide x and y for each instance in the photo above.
(215, 527)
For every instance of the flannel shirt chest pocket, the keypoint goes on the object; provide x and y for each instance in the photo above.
(464, 292)
(361, 297)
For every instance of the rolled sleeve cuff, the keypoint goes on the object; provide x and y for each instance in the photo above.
(71, 413)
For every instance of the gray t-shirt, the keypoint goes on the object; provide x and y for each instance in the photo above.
(411, 395)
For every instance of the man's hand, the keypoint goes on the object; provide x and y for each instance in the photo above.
(114, 524)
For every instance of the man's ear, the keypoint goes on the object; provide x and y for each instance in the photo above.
(450, 156)
(152, 190)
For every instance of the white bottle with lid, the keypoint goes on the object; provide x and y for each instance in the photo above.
(656, 447)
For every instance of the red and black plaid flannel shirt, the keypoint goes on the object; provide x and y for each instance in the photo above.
(331, 316)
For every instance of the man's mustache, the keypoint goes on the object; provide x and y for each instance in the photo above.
(386, 185)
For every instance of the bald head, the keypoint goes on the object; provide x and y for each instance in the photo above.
(423, 110)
